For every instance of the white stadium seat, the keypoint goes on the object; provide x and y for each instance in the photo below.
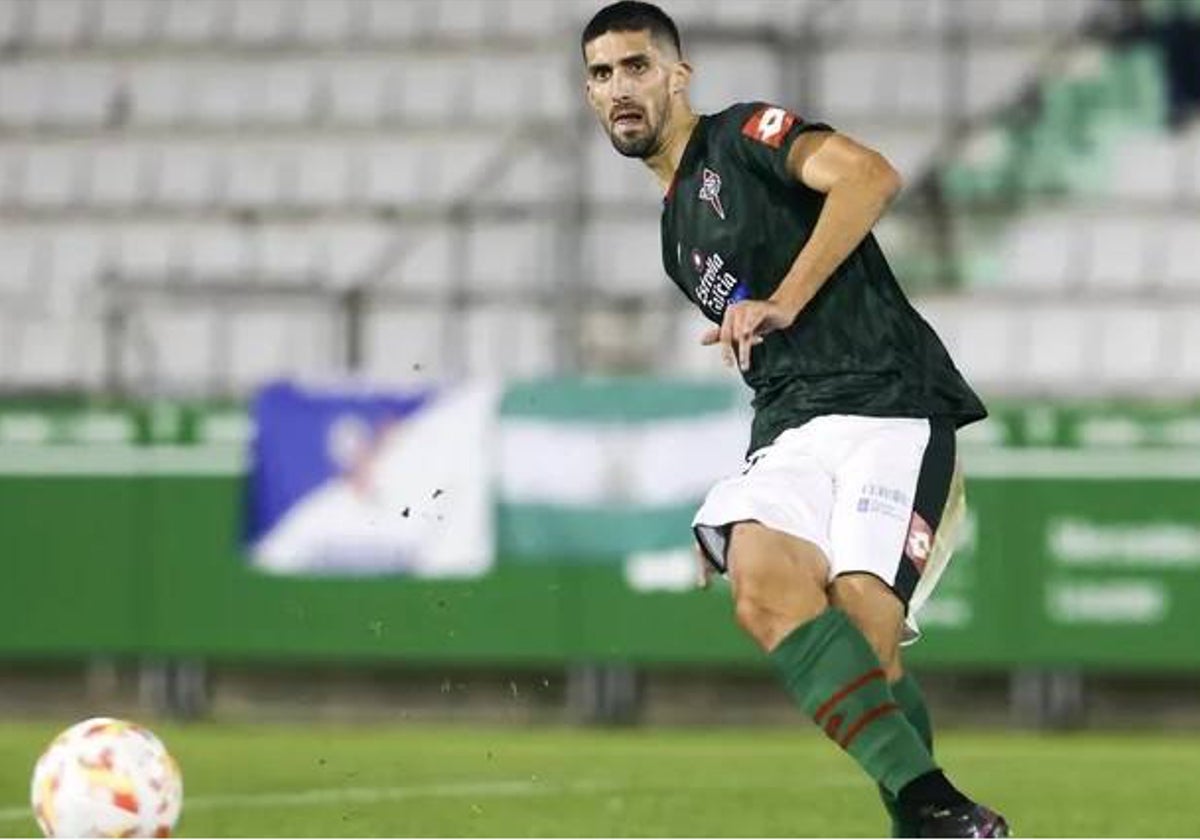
(82, 95)
(129, 22)
(13, 14)
(23, 95)
(907, 18)
(1043, 251)
(434, 90)
(160, 94)
(188, 176)
(53, 177)
(462, 166)
(222, 95)
(396, 173)
(1131, 345)
(190, 22)
(322, 22)
(273, 339)
(47, 352)
(1148, 167)
(349, 250)
(981, 339)
(19, 248)
(508, 255)
(849, 82)
(325, 175)
(386, 21)
(361, 92)
(1058, 346)
(624, 257)
(254, 176)
(12, 161)
(426, 257)
(219, 253)
(120, 175)
(465, 19)
(1181, 263)
(725, 75)
(611, 177)
(1120, 249)
(284, 95)
(152, 252)
(72, 269)
(510, 341)
(1186, 353)
(263, 22)
(405, 344)
(994, 74)
(181, 342)
(63, 23)
(287, 253)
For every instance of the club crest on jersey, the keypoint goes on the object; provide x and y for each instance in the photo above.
(710, 191)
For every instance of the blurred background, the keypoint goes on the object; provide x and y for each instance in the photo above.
(223, 221)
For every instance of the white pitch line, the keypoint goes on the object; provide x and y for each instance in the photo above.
(365, 795)
(362, 795)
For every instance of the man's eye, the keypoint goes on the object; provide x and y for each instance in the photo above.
(602, 75)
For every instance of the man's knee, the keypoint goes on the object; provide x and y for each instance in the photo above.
(877, 612)
(778, 582)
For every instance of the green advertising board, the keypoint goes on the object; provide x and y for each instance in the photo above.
(121, 525)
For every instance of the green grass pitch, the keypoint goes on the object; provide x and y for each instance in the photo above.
(464, 780)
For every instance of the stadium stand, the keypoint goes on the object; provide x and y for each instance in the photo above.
(197, 194)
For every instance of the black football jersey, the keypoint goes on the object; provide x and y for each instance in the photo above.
(734, 220)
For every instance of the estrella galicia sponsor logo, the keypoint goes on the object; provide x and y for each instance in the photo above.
(710, 191)
(717, 287)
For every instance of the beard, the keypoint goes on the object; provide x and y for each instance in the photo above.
(641, 145)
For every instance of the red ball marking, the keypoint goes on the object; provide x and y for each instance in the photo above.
(126, 801)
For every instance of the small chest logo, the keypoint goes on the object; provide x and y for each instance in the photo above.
(710, 191)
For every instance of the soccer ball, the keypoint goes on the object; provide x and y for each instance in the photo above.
(105, 777)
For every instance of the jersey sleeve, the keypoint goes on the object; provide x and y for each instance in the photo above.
(763, 137)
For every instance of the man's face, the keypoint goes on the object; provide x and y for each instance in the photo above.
(629, 88)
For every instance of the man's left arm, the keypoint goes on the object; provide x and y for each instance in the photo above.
(858, 184)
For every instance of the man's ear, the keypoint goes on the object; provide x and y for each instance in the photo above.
(681, 76)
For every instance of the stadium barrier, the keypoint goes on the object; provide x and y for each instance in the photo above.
(122, 536)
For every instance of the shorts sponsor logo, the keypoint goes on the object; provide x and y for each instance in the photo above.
(710, 191)
(769, 126)
(919, 542)
(888, 501)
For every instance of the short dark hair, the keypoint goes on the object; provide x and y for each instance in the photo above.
(632, 16)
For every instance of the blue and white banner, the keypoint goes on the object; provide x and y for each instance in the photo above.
(347, 482)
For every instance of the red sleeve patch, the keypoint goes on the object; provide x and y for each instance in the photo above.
(769, 125)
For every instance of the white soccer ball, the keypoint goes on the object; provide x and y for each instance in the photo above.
(105, 777)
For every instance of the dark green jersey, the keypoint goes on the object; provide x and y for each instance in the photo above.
(733, 222)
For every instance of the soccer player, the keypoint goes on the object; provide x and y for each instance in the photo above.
(766, 228)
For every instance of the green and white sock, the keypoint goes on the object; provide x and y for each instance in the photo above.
(833, 674)
(912, 703)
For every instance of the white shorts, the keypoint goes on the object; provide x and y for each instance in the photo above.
(879, 495)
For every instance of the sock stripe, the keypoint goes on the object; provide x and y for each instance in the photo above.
(865, 720)
(845, 691)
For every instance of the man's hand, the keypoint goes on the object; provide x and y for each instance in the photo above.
(744, 325)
